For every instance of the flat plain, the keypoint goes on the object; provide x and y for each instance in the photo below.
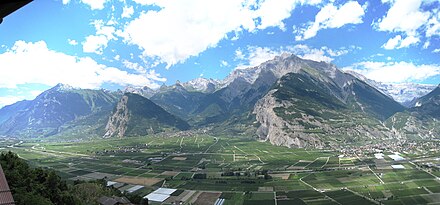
(238, 170)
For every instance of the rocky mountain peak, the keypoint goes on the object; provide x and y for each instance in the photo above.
(62, 87)
(202, 85)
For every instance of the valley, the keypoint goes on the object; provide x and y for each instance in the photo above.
(241, 170)
(289, 131)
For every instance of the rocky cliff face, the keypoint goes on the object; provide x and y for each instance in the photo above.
(310, 109)
(278, 131)
(117, 123)
(135, 115)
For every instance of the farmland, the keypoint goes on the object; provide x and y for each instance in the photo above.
(239, 170)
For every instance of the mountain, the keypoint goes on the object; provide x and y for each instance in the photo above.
(48, 112)
(143, 91)
(420, 121)
(201, 85)
(316, 104)
(177, 100)
(287, 101)
(404, 93)
(135, 115)
(10, 110)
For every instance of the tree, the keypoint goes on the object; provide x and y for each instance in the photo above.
(144, 201)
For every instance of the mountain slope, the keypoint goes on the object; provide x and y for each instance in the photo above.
(55, 107)
(421, 121)
(135, 115)
(201, 85)
(404, 93)
(177, 100)
(318, 104)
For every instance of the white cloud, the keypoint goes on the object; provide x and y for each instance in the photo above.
(433, 25)
(239, 54)
(395, 72)
(134, 66)
(409, 40)
(392, 42)
(127, 12)
(94, 4)
(72, 42)
(9, 99)
(155, 76)
(436, 50)
(305, 52)
(273, 12)
(403, 16)
(182, 29)
(95, 44)
(224, 63)
(411, 19)
(398, 42)
(34, 63)
(426, 45)
(331, 16)
(98, 42)
(66, 2)
(186, 28)
(256, 56)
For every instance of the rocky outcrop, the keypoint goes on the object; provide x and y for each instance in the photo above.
(278, 131)
(118, 121)
(135, 115)
(308, 109)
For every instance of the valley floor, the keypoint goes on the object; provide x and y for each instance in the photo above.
(205, 170)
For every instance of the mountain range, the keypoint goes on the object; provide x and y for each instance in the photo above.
(287, 101)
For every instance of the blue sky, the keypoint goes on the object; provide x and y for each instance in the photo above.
(114, 43)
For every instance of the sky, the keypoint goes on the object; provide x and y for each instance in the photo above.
(111, 44)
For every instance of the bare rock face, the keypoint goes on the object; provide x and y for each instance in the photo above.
(302, 112)
(117, 123)
(278, 131)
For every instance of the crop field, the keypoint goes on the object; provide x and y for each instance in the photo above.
(237, 169)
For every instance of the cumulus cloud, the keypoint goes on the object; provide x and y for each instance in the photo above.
(9, 99)
(134, 66)
(224, 63)
(397, 42)
(72, 42)
(395, 72)
(66, 1)
(127, 12)
(254, 55)
(433, 25)
(94, 4)
(36, 63)
(182, 29)
(404, 16)
(273, 12)
(98, 42)
(331, 16)
(95, 44)
(412, 20)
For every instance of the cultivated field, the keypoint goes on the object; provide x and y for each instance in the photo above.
(238, 170)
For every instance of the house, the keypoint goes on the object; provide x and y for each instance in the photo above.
(5, 192)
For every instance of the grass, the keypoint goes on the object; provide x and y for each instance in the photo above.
(244, 157)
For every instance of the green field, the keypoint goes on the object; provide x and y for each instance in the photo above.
(245, 171)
